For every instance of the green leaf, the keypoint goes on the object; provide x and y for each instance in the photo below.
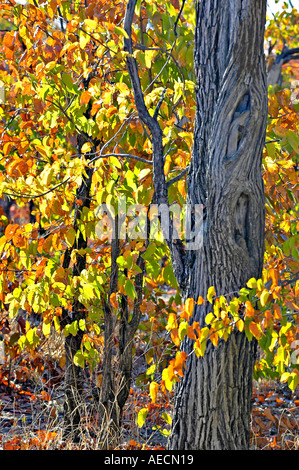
(167, 418)
(129, 289)
(72, 328)
(120, 31)
(68, 81)
(79, 359)
(32, 337)
(149, 252)
(183, 330)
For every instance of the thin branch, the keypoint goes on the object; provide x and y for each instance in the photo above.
(178, 18)
(272, 141)
(178, 177)
(159, 104)
(15, 194)
(121, 155)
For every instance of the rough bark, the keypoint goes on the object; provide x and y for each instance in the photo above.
(212, 408)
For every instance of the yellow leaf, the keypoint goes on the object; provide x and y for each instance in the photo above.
(240, 325)
(84, 40)
(70, 236)
(148, 57)
(153, 389)
(90, 25)
(46, 328)
(264, 297)
(252, 283)
(141, 417)
(172, 322)
(209, 318)
(123, 88)
(167, 164)
(86, 147)
(211, 293)
(189, 306)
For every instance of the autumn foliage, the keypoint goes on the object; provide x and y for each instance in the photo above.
(68, 114)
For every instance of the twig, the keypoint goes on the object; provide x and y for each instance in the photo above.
(121, 155)
(15, 194)
(178, 18)
(159, 104)
(178, 177)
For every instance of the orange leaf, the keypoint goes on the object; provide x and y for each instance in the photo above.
(214, 337)
(113, 300)
(189, 306)
(269, 415)
(180, 360)
(255, 329)
(111, 110)
(200, 301)
(85, 97)
(182, 188)
(10, 231)
(175, 336)
(274, 275)
(191, 333)
(276, 312)
(268, 318)
(249, 310)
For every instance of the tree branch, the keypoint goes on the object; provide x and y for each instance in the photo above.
(15, 194)
(178, 177)
(121, 155)
(178, 254)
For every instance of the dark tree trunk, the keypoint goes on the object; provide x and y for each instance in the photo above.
(212, 407)
(74, 374)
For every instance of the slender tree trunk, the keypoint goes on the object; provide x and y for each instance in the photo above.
(212, 407)
(73, 373)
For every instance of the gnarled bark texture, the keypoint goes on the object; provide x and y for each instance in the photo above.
(212, 408)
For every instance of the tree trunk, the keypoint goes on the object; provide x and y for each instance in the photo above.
(213, 399)
(74, 374)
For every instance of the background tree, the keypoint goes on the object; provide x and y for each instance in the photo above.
(99, 107)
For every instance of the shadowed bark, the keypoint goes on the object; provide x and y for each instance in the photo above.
(212, 407)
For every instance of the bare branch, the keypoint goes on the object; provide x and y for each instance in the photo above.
(121, 155)
(178, 177)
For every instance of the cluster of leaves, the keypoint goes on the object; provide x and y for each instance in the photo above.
(63, 75)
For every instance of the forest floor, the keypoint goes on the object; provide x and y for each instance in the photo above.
(31, 413)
